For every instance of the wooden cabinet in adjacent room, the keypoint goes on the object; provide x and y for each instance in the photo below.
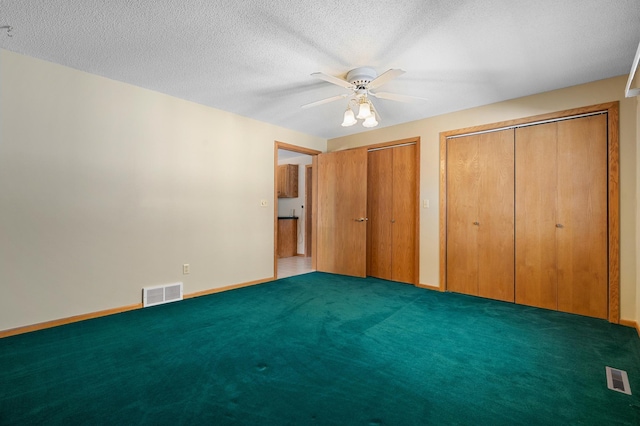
(391, 211)
(287, 236)
(288, 181)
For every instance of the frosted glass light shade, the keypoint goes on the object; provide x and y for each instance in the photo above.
(349, 119)
(370, 121)
(365, 110)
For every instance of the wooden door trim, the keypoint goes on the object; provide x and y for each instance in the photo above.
(613, 178)
(308, 214)
(301, 150)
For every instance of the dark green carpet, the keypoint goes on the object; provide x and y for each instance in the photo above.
(320, 349)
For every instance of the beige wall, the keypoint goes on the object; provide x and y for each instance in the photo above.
(578, 96)
(106, 188)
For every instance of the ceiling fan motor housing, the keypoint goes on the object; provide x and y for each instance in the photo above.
(361, 76)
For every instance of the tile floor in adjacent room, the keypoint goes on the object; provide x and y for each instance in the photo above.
(296, 265)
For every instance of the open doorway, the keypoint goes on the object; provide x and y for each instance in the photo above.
(293, 210)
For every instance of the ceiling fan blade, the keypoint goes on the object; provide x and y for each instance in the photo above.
(324, 101)
(396, 97)
(335, 80)
(385, 77)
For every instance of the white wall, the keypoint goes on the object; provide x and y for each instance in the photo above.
(587, 94)
(106, 188)
(286, 205)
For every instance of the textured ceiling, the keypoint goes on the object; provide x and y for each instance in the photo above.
(255, 57)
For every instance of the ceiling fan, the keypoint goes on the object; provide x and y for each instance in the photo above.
(361, 81)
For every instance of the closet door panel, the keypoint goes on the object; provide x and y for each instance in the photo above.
(582, 213)
(404, 214)
(380, 213)
(462, 213)
(495, 215)
(535, 224)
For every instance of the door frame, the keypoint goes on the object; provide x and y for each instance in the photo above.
(613, 167)
(314, 162)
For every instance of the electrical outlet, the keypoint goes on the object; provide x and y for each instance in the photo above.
(186, 269)
(263, 203)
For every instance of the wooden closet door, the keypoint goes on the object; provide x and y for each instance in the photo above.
(380, 213)
(582, 215)
(404, 215)
(462, 214)
(536, 195)
(496, 215)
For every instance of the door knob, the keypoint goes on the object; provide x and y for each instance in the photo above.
(476, 223)
(559, 225)
(361, 219)
(393, 221)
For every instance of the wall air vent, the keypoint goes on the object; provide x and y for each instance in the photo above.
(160, 294)
(618, 380)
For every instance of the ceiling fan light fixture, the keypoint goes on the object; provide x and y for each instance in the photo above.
(370, 121)
(349, 119)
(365, 109)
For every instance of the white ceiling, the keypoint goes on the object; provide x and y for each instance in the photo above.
(255, 57)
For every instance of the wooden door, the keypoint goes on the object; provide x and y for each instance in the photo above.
(480, 218)
(462, 215)
(536, 198)
(342, 208)
(495, 215)
(391, 236)
(561, 216)
(380, 213)
(582, 216)
(403, 221)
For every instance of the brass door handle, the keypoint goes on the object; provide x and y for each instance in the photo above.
(361, 219)
(559, 225)
(476, 223)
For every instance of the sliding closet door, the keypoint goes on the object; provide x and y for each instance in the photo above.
(536, 196)
(582, 216)
(480, 240)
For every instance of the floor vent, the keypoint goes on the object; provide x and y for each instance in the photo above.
(618, 380)
(160, 294)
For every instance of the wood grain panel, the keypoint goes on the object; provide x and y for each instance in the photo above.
(535, 225)
(496, 215)
(613, 219)
(308, 210)
(287, 237)
(462, 212)
(404, 214)
(342, 200)
(582, 210)
(613, 184)
(380, 212)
